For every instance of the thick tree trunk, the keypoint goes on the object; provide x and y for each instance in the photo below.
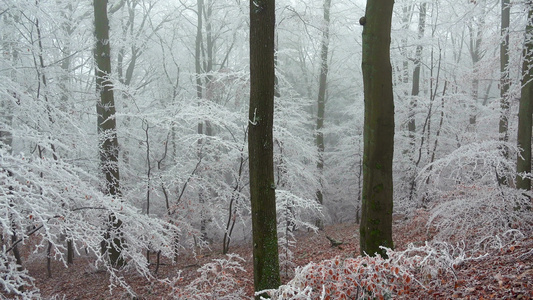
(260, 145)
(523, 164)
(107, 125)
(321, 107)
(376, 220)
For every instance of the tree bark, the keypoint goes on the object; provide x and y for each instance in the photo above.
(107, 125)
(260, 145)
(523, 164)
(376, 220)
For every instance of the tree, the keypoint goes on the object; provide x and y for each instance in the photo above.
(376, 217)
(411, 125)
(523, 164)
(476, 30)
(322, 99)
(503, 126)
(504, 72)
(260, 145)
(107, 124)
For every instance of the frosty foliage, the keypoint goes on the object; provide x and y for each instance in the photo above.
(467, 201)
(367, 277)
(13, 278)
(51, 195)
(348, 278)
(292, 212)
(49, 200)
(217, 280)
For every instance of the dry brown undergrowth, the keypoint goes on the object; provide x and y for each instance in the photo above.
(506, 273)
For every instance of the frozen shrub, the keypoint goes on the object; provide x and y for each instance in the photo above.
(218, 280)
(467, 199)
(348, 278)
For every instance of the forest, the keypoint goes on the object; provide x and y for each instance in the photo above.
(289, 149)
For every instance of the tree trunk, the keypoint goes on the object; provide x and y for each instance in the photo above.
(198, 53)
(107, 125)
(411, 124)
(376, 218)
(200, 69)
(260, 145)
(407, 14)
(476, 39)
(70, 251)
(523, 164)
(322, 103)
(503, 127)
(504, 73)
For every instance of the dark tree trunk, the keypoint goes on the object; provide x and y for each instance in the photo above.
(376, 212)
(107, 125)
(260, 145)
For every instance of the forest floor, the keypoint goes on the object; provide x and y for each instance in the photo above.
(506, 273)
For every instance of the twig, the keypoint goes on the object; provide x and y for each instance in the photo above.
(334, 242)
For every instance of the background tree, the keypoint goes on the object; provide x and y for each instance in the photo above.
(107, 125)
(523, 164)
(321, 103)
(415, 90)
(376, 218)
(260, 145)
(504, 70)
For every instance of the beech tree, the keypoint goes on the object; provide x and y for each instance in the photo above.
(107, 124)
(376, 213)
(260, 145)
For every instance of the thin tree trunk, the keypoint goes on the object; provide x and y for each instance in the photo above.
(504, 72)
(411, 124)
(523, 164)
(146, 128)
(232, 212)
(322, 104)
(503, 127)
(107, 125)
(70, 251)
(199, 94)
(476, 38)
(49, 259)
